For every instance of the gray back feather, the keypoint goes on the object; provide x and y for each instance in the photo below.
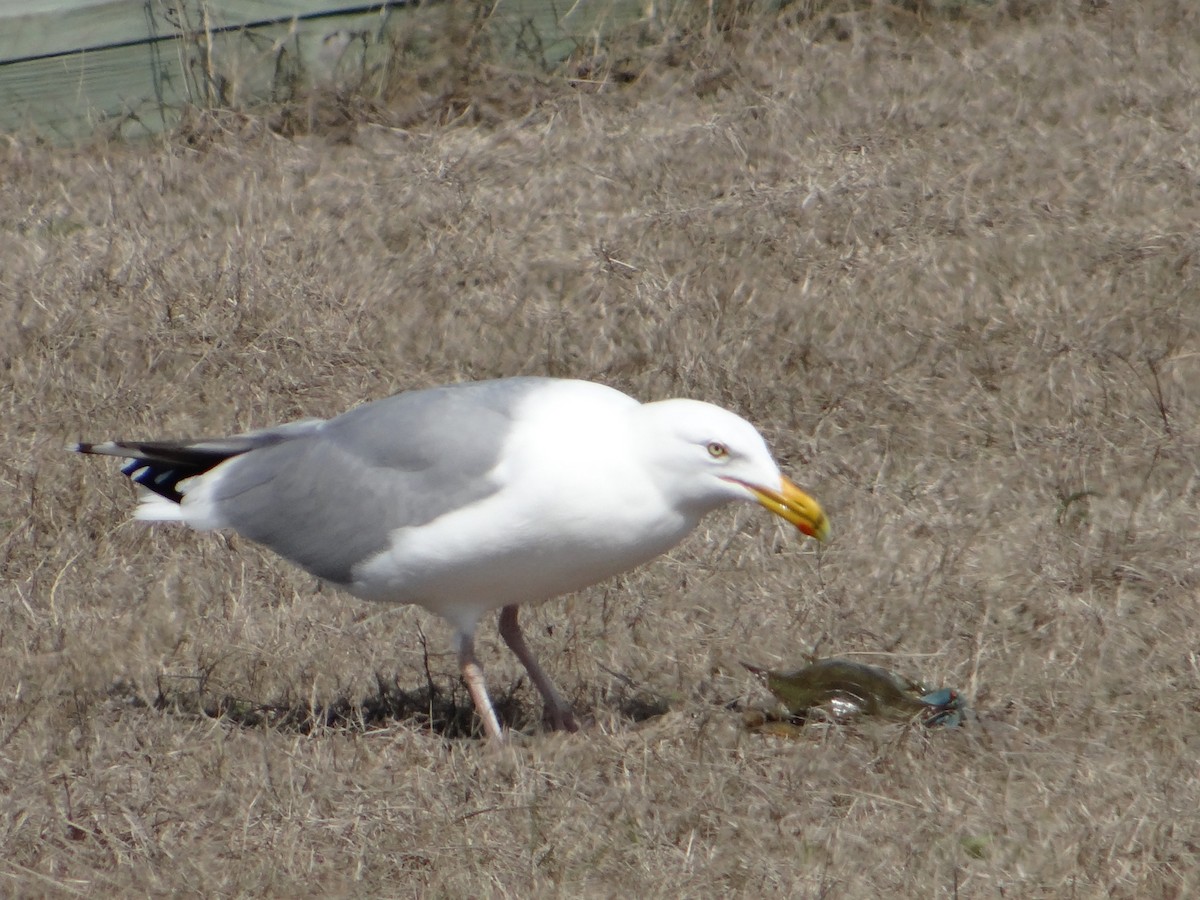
(330, 497)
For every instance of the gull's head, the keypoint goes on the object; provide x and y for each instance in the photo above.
(708, 456)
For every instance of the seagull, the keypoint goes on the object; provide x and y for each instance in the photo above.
(472, 497)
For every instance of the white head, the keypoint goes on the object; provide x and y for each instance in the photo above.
(706, 457)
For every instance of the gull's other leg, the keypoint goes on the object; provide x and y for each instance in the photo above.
(472, 674)
(558, 713)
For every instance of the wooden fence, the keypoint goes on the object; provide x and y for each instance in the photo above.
(68, 66)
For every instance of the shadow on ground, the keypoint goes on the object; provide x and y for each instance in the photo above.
(444, 711)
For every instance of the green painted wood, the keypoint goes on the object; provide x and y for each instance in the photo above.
(69, 66)
(38, 27)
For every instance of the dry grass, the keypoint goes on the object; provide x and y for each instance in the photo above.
(950, 265)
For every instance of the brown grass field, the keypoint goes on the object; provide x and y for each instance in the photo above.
(949, 263)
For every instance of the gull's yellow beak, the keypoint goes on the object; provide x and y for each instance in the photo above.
(792, 504)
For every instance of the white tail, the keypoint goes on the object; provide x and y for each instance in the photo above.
(153, 508)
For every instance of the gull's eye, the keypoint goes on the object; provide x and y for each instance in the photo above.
(717, 450)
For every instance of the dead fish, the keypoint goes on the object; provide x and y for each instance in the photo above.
(848, 688)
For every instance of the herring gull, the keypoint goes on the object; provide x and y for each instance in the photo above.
(472, 497)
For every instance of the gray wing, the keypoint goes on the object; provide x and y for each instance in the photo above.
(329, 499)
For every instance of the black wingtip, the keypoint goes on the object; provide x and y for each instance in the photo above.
(106, 448)
(160, 466)
(161, 481)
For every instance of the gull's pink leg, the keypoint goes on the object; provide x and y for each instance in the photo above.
(558, 713)
(472, 674)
